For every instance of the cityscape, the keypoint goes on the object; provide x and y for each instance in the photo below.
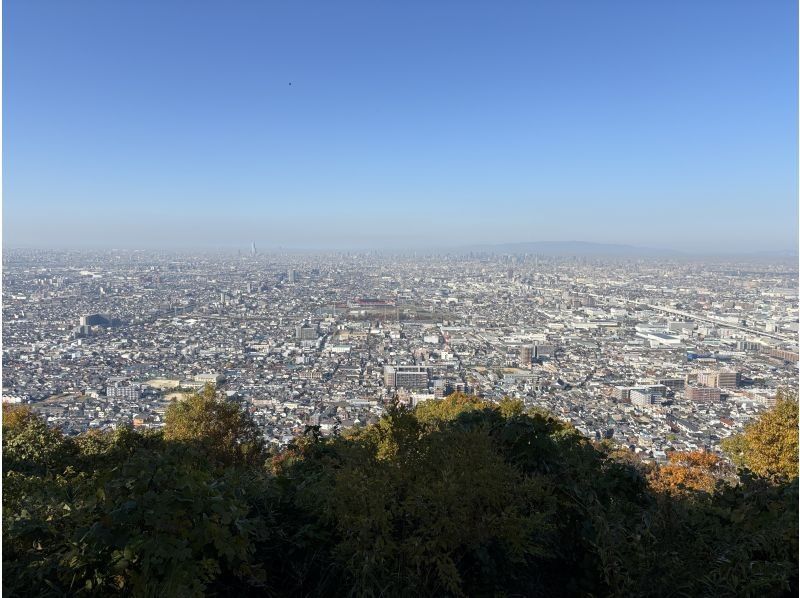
(653, 354)
(459, 299)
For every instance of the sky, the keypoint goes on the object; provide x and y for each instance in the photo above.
(385, 124)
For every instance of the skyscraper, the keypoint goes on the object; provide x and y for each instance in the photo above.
(253, 248)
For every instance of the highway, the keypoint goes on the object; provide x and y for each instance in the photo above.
(690, 316)
(706, 319)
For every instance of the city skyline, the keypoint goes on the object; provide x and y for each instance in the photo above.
(577, 249)
(121, 364)
(667, 126)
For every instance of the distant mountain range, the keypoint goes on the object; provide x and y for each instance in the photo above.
(784, 253)
(567, 248)
(582, 248)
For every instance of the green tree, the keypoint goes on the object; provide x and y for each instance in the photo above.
(220, 427)
(459, 497)
(29, 444)
(124, 513)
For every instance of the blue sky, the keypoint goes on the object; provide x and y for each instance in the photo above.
(173, 123)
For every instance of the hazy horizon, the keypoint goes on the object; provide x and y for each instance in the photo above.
(544, 248)
(668, 125)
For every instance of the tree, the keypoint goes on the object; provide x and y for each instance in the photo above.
(459, 497)
(124, 513)
(687, 473)
(220, 427)
(29, 444)
(769, 445)
(449, 407)
(15, 416)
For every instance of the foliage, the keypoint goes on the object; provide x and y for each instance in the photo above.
(122, 513)
(448, 408)
(29, 444)
(688, 473)
(15, 416)
(768, 446)
(221, 428)
(429, 513)
(459, 497)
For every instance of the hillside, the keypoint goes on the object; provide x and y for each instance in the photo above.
(458, 497)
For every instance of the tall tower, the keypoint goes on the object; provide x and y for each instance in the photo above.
(253, 248)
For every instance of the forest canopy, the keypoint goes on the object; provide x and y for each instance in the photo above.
(458, 497)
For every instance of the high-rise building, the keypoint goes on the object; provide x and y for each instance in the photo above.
(253, 248)
(748, 346)
(642, 397)
(785, 354)
(526, 355)
(673, 383)
(720, 379)
(441, 388)
(412, 377)
(728, 379)
(702, 394)
(96, 320)
(707, 378)
(650, 394)
(292, 276)
(306, 332)
(389, 376)
(121, 390)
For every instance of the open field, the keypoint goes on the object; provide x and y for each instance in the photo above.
(162, 383)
